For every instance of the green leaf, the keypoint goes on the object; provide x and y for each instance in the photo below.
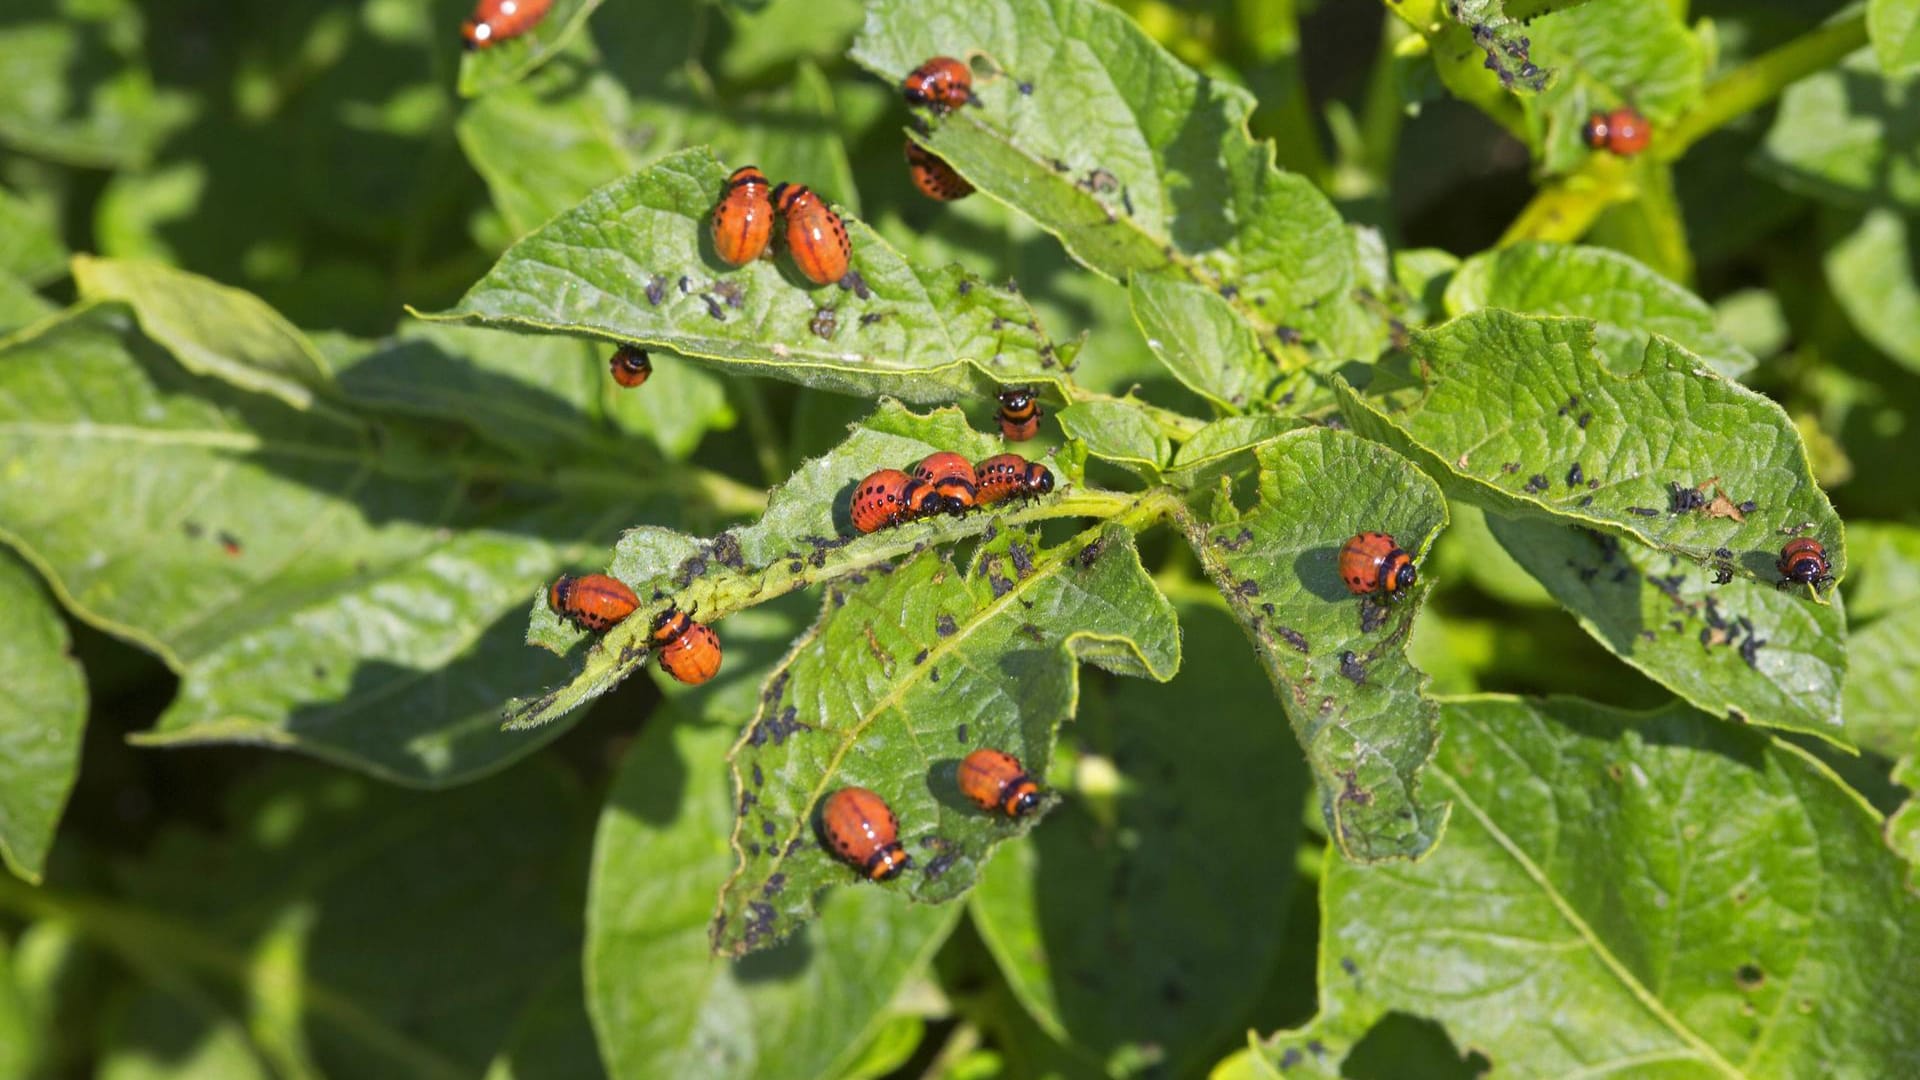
(661, 1004)
(784, 31)
(1871, 273)
(900, 678)
(1882, 684)
(312, 590)
(1506, 407)
(1503, 38)
(1744, 650)
(1139, 164)
(1135, 923)
(553, 1036)
(1202, 340)
(938, 333)
(1846, 136)
(279, 922)
(1637, 52)
(42, 716)
(1894, 26)
(1887, 579)
(1120, 432)
(212, 329)
(509, 61)
(544, 398)
(1903, 825)
(803, 538)
(1338, 663)
(20, 305)
(19, 1033)
(75, 86)
(1221, 447)
(30, 244)
(1594, 873)
(1628, 301)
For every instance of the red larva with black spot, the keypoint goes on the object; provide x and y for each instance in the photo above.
(860, 828)
(951, 477)
(1372, 562)
(941, 84)
(1019, 414)
(592, 601)
(888, 497)
(494, 21)
(1804, 562)
(743, 220)
(1623, 131)
(816, 237)
(995, 780)
(689, 651)
(1004, 476)
(933, 176)
(630, 366)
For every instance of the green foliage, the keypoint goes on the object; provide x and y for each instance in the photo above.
(305, 319)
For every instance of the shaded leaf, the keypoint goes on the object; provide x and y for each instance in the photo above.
(1628, 302)
(20, 305)
(544, 398)
(1848, 136)
(1888, 578)
(19, 1034)
(589, 272)
(1871, 272)
(211, 329)
(1135, 923)
(1882, 684)
(313, 591)
(553, 1036)
(42, 715)
(332, 975)
(1137, 163)
(1593, 864)
(662, 1005)
(1894, 26)
(158, 1037)
(512, 60)
(75, 86)
(1337, 663)
(1745, 650)
(30, 244)
(1220, 447)
(1505, 407)
(901, 678)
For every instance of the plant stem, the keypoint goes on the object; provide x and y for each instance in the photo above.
(1760, 80)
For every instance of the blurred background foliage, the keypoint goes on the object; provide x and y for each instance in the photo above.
(231, 911)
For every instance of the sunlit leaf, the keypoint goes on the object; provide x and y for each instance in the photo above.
(1846, 136)
(1592, 864)
(41, 718)
(1337, 662)
(1872, 273)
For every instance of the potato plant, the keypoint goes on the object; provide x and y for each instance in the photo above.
(1591, 306)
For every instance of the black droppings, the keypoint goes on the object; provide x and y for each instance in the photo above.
(965, 286)
(1510, 468)
(656, 290)
(731, 293)
(1352, 668)
(1247, 587)
(920, 657)
(1643, 511)
(945, 626)
(1091, 553)
(758, 778)
(1022, 557)
(1684, 500)
(1025, 88)
(1240, 540)
(1750, 647)
(933, 674)
(1576, 476)
(1347, 965)
(824, 322)
(1373, 615)
(1536, 484)
(939, 864)
(686, 286)
(1584, 419)
(775, 882)
(1749, 506)
(767, 829)
(1586, 501)
(713, 307)
(872, 317)
(960, 733)
(1292, 637)
(1287, 335)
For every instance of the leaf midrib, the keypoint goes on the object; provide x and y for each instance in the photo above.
(1628, 981)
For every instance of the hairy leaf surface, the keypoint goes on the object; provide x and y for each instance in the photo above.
(903, 676)
(634, 262)
(1520, 415)
(1338, 662)
(1592, 863)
